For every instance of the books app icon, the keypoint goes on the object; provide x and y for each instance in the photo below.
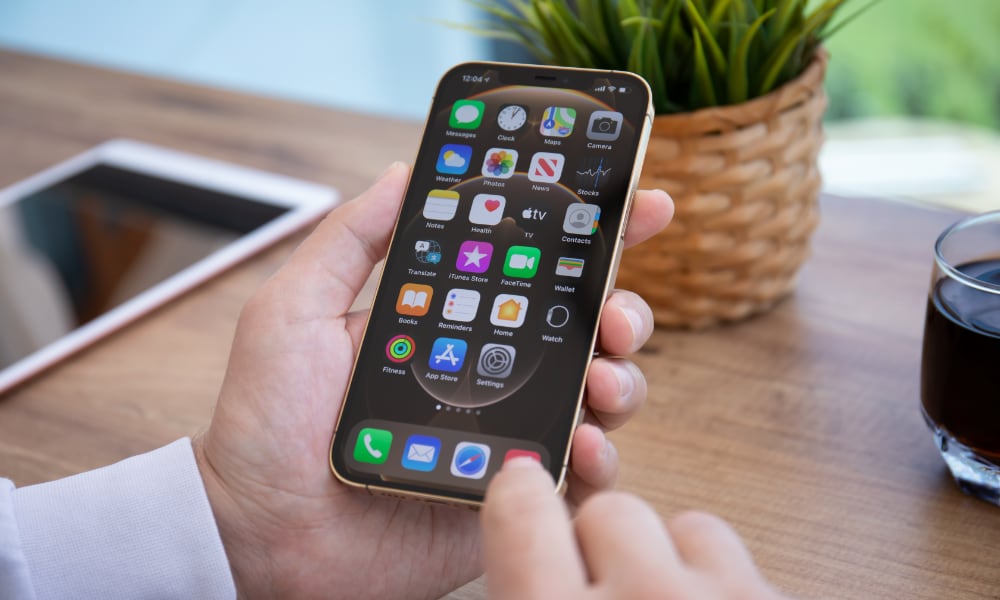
(414, 299)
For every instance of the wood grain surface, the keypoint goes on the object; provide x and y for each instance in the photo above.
(801, 427)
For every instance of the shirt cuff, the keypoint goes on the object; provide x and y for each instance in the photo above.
(140, 528)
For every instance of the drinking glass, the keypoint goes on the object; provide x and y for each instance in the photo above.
(960, 374)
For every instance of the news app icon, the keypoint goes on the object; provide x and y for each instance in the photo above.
(546, 167)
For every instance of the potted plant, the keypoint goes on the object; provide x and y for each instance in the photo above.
(737, 88)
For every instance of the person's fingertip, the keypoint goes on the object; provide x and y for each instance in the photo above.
(626, 379)
(521, 463)
(395, 165)
(635, 322)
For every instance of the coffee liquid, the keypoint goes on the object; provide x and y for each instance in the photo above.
(960, 384)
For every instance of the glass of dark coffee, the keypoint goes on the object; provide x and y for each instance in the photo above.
(960, 377)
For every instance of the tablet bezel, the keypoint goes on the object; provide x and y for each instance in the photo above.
(306, 202)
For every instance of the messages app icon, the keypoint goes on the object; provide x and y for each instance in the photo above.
(421, 453)
(466, 114)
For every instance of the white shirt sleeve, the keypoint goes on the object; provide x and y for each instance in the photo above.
(140, 528)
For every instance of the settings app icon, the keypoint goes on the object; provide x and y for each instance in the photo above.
(496, 360)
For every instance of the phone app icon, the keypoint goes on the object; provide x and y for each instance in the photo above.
(454, 159)
(441, 205)
(496, 360)
(427, 252)
(414, 299)
(447, 354)
(487, 209)
(557, 121)
(466, 114)
(470, 460)
(509, 310)
(460, 305)
(500, 163)
(512, 117)
(421, 453)
(605, 125)
(546, 167)
(474, 257)
(568, 266)
(593, 172)
(400, 348)
(582, 219)
(522, 261)
(373, 446)
(518, 453)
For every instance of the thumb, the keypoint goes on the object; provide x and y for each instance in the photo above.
(334, 262)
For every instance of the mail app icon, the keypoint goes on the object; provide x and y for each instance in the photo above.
(421, 453)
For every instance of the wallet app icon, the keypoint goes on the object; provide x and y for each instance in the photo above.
(421, 453)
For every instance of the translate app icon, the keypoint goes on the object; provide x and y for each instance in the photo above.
(421, 453)
(447, 354)
(454, 159)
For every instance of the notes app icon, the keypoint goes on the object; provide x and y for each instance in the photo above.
(414, 299)
(441, 205)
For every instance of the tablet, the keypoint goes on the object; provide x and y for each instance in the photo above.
(96, 241)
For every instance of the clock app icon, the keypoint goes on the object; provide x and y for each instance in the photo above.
(512, 117)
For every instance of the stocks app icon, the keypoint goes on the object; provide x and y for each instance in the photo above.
(496, 360)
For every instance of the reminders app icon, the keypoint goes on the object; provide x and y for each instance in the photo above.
(421, 453)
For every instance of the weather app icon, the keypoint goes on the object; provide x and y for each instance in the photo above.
(454, 159)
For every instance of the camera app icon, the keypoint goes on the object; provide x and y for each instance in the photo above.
(605, 125)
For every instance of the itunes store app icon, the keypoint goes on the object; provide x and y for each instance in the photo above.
(487, 209)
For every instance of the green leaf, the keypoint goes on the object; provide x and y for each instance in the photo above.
(738, 67)
(713, 47)
(702, 78)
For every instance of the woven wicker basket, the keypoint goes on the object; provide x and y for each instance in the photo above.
(745, 183)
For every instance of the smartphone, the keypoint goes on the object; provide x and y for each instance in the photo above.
(99, 240)
(485, 320)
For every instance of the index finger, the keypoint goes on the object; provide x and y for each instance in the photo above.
(528, 541)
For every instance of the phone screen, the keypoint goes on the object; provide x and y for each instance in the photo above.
(484, 322)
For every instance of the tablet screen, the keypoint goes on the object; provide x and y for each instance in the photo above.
(77, 249)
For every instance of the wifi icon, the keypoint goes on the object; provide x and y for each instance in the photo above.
(612, 88)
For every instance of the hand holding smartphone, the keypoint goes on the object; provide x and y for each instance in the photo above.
(485, 319)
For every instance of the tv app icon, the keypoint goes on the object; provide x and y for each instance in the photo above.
(421, 453)
(582, 219)
(447, 354)
(496, 360)
(470, 460)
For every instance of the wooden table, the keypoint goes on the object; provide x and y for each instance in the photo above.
(801, 427)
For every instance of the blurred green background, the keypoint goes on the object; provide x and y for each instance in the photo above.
(935, 59)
